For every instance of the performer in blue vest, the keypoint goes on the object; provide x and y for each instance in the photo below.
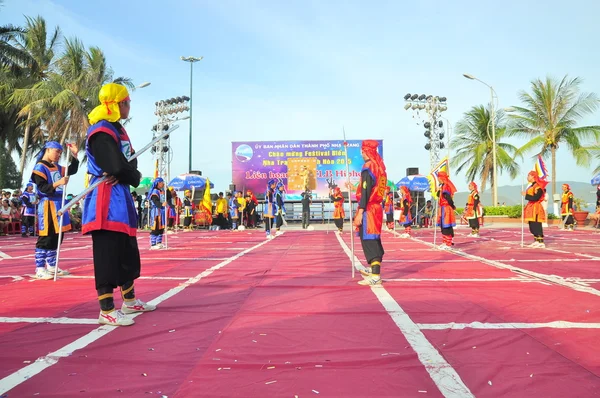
(29, 199)
(109, 211)
(269, 209)
(279, 205)
(158, 202)
(50, 177)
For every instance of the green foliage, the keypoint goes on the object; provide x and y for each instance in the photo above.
(552, 216)
(549, 117)
(579, 204)
(507, 211)
(9, 176)
(474, 146)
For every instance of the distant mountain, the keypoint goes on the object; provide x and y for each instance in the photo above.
(511, 195)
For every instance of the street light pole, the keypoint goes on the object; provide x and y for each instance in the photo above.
(191, 60)
(493, 122)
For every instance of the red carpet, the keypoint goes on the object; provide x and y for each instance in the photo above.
(240, 316)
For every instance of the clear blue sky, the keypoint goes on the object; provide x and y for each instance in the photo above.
(292, 70)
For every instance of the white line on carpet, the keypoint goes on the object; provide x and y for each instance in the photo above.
(511, 325)
(14, 379)
(559, 280)
(517, 279)
(63, 321)
(441, 372)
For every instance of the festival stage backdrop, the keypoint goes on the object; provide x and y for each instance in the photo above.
(256, 162)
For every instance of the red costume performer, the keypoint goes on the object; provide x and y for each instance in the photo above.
(388, 208)
(534, 213)
(338, 208)
(369, 217)
(566, 208)
(405, 215)
(446, 218)
(473, 210)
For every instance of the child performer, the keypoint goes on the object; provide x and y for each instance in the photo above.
(405, 215)
(338, 208)
(566, 208)
(534, 213)
(158, 203)
(388, 208)
(473, 210)
(446, 218)
(269, 208)
(29, 200)
(279, 205)
(187, 210)
(50, 177)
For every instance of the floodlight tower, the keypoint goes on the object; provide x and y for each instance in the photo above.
(166, 111)
(433, 106)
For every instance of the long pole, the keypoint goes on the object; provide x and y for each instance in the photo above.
(494, 158)
(349, 199)
(191, 113)
(522, 211)
(62, 216)
(102, 179)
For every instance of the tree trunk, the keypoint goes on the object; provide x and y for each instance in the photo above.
(553, 151)
(25, 145)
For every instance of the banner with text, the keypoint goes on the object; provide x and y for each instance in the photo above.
(299, 165)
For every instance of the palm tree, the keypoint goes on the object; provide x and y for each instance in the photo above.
(474, 147)
(40, 47)
(70, 92)
(549, 116)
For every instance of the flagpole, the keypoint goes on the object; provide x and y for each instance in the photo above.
(61, 220)
(349, 198)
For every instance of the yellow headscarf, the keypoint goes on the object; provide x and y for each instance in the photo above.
(110, 95)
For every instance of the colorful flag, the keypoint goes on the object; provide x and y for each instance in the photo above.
(156, 169)
(207, 202)
(444, 165)
(540, 168)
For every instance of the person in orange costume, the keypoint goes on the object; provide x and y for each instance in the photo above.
(405, 215)
(566, 208)
(369, 217)
(534, 213)
(338, 209)
(446, 218)
(473, 209)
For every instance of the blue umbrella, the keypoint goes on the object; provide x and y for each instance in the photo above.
(596, 180)
(416, 183)
(189, 181)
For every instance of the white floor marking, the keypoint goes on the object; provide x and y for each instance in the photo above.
(512, 325)
(440, 371)
(14, 379)
(548, 278)
(517, 279)
(63, 321)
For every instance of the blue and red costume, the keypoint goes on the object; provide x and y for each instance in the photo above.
(108, 207)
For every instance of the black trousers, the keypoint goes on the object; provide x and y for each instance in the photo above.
(279, 221)
(339, 223)
(221, 221)
(448, 231)
(372, 248)
(305, 218)
(569, 220)
(28, 222)
(49, 242)
(474, 223)
(536, 229)
(116, 260)
(268, 223)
